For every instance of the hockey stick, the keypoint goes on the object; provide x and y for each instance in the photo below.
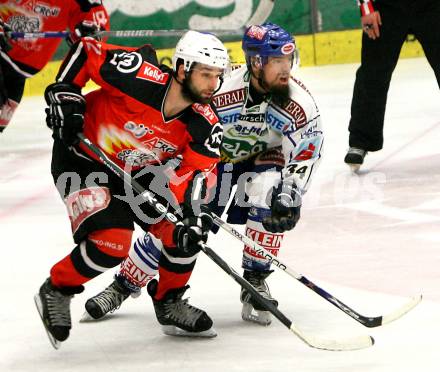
(261, 13)
(311, 340)
(119, 33)
(369, 322)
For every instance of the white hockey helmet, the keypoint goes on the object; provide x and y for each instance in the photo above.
(201, 48)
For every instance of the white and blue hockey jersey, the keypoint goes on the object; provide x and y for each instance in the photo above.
(251, 129)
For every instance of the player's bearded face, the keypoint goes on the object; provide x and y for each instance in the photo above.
(275, 78)
(201, 83)
(192, 92)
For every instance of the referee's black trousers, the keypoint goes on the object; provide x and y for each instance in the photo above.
(379, 58)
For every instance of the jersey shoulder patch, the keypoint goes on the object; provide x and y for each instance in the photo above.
(152, 73)
(207, 112)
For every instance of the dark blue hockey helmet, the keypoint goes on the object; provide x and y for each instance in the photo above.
(267, 40)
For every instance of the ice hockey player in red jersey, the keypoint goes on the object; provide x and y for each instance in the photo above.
(142, 116)
(23, 58)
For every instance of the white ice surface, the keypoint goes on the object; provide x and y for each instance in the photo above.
(371, 240)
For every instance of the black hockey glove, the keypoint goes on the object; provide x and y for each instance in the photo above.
(192, 231)
(65, 115)
(285, 209)
(83, 29)
(3, 92)
(5, 29)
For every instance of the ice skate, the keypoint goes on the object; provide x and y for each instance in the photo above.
(355, 158)
(53, 305)
(252, 311)
(177, 317)
(107, 301)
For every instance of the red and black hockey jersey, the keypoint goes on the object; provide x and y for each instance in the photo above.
(125, 116)
(29, 56)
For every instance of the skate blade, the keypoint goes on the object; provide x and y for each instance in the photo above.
(86, 317)
(54, 342)
(175, 331)
(249, 314)
(354, 167)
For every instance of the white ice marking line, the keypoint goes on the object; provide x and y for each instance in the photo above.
(405, 145)
(431, 237)
(431, 205)
(400, 214)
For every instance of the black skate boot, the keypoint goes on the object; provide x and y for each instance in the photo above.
(177, 317)
(260, 315)
(53, 305)
(355, 158)
(107, 301)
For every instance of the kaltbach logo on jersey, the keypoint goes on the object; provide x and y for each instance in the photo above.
(229, 98)
(206, 111)
(84, 203)
(126, 62)
(256, 32)
(46, 10)
(214, 141)
(288, 48)
(152, 73)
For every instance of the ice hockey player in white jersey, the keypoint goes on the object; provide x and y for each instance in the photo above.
(272, 145)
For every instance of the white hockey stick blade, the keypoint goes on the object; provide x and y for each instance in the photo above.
(402, 310)
(354, 343)
(261, 13)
